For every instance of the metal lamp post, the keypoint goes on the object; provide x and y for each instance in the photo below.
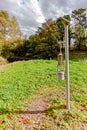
(66, 23)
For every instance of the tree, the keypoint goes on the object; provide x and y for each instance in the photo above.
(44, 43)
(14, 29)
(79, 37)
(9, 28)
(79, 17)
(4, 24)
(32, 51)
(61, 29)
(49, 37)
(80, 24)
(10, 36)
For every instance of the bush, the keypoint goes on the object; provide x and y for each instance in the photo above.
(13, 51)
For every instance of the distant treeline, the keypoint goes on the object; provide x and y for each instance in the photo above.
(47, 41)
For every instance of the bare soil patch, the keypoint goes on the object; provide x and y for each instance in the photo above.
(32, 118)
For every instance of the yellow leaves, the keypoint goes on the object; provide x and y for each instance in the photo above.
(9, 27)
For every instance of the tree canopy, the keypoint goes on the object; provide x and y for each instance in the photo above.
(45, 42)
(80, 27)
(9, 27)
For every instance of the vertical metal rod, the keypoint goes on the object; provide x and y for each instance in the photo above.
(67, 68)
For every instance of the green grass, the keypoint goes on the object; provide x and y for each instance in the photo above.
(20, 81)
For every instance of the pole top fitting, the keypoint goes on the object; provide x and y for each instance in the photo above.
(65, 21)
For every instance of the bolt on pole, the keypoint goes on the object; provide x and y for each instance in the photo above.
(67, 68)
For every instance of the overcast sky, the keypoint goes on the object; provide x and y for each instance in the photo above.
(31, 13)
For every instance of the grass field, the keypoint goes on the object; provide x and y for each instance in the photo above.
(20, 81)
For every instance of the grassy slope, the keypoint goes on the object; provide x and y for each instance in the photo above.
(21, 80)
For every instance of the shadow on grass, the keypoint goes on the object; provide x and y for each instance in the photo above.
(57, 107)
(62, 106)
(23, 112)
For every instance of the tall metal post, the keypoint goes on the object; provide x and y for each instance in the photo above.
(66, 23)
(67, 68)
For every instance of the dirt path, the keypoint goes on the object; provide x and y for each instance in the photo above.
(33, 118)
(3, 66)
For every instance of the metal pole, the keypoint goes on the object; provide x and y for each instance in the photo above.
(67, 68)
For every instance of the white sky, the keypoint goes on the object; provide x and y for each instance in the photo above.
(31, 13)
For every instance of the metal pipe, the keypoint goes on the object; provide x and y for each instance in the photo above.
(67, 68)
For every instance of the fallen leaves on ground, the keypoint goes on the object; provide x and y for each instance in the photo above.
(1, 121)
(23, 120)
